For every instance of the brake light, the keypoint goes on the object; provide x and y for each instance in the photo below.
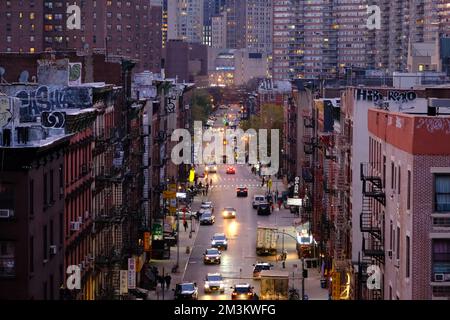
(249, 293)
(234, 293)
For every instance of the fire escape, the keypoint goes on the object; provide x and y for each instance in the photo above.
(309, 144)
(371, 223)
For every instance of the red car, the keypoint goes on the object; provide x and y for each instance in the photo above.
(231, 170)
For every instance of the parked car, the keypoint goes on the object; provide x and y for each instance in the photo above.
(207, 218)
(264, 209)
(219, 241)
(214, 283)
(242, 191)
(211, 256)
(257, 199)
(242, 291)
(186, 291)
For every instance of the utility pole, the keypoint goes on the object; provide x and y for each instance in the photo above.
(303, 278)
(163, 283)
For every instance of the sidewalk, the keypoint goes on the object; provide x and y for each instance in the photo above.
(166, 265)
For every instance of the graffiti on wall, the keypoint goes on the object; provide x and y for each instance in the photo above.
(434, 124)
(54, 119)
(50, 98)
(5, 112)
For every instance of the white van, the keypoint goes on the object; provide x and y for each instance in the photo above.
(257, 199)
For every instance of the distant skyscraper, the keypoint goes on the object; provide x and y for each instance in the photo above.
(211, 8)
(219, 30)
(249, 25)
(185, 20)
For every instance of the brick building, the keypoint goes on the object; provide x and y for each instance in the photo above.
(130, 29)
(416, 178)
(31, 206)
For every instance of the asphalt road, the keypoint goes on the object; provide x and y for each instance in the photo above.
(237, 262)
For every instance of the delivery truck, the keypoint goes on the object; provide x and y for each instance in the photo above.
(274, 285)
(266, 241)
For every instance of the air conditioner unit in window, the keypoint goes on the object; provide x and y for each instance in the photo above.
(6, 213)
(53, 249)
(75, 226)
(439, 277)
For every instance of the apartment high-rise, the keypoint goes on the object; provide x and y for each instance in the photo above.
(219, 30)
(318, 39)
(249, 25)
(288, 44)
(211, 8)
(185, 20)
(131, 29)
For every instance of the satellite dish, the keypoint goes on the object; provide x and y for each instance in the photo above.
(24, 75)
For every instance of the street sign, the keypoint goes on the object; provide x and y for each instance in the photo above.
(147, 240)
(169, 195)
(296, 187)
(131, 273)
(294, 202)
(123, 282)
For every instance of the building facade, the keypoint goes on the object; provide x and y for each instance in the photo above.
(130, 29)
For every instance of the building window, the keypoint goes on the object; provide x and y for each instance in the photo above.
(391, 237)
(7, 259)
(408, 196)
(31, 202)
(392, 174)
(31, 254)
(61, 182)
(32, 15)
(441, 258)
(398, 243)
(442, 193)
(32, 50)
(44, 243)
(408, 256)
(45, 191)
(399, 180)
(6, 195)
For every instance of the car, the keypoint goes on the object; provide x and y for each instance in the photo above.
(211, 169)
(207, 205)
(214, 283)
(231, 170)
(242, 191)
(207, 218)
(229, 213)
(258, 267)
(211, 256)
(186, 291)
(257, 199)
(219, 241)
(264, 209)
(242, 291)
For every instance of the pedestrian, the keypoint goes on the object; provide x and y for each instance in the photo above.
(262, 183)
(185, 225)
(167, 279)
(210, 182)
(272, 206)
(207, 188)
(161, 281)
(280, 201)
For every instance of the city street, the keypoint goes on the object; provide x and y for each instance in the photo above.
(237, 262)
